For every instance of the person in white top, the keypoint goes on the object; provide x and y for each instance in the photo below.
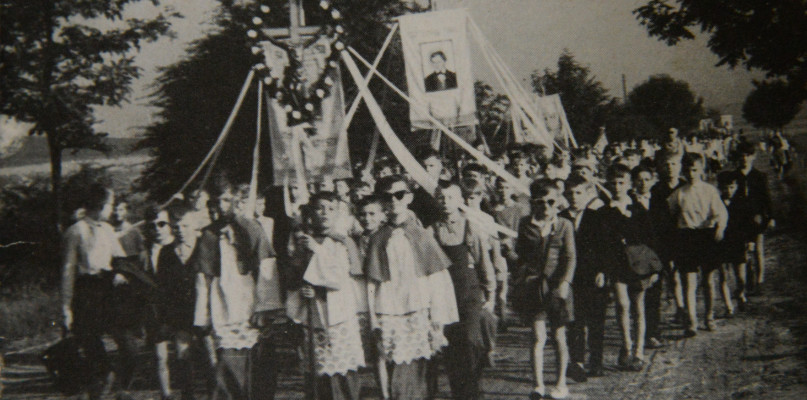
(701, 219)
(88, 281)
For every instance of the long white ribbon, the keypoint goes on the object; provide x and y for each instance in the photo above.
(481, 158)
(403, 155)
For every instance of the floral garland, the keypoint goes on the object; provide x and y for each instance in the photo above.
(301, 105)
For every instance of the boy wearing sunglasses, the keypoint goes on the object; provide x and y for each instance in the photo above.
(547, 256)
(410, 293)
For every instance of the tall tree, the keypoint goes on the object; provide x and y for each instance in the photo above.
(765, 35)
(584, 98)
(196, 94)
(56, 65)
(771, 104)
(665, 102)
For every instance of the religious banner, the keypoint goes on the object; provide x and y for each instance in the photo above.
(438, 68)
(309, 152)
(551, 108)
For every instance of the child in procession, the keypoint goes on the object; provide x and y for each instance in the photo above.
(548, 258)
(701, 219)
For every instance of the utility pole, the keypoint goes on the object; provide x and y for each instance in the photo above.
(624, 89)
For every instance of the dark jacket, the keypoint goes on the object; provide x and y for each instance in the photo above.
(251, 244)
(553, 258)
(598, 250)
(433, 82)
(754, 187)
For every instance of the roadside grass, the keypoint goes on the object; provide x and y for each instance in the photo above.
(27, 311)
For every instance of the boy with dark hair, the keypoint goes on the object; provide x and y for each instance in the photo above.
(701, 219)
(238, 287)
(547, 254)
(329, 262)
(740, 235)
(753, 184)
(669, 179)
(594, 251)
(644, 181)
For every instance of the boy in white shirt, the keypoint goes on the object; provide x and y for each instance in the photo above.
(701, 219)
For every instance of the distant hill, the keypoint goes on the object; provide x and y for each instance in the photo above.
(35, 151)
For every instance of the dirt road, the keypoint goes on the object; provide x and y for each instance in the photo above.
(760, 354)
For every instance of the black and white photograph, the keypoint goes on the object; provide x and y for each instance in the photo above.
(403, 199)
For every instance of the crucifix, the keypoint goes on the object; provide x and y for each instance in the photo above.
(297, 32)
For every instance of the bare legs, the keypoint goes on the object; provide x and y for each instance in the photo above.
(690, 283)
(539, 341)
(627, 297)
(182, 344)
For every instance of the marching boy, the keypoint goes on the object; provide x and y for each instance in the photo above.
(740, 235)
(328, 261)
(701, 219)
(547, 254)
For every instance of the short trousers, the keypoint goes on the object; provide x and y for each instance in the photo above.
(696, 249)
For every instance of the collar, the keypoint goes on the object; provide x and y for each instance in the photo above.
(595, 204)
(442, 71)
(545, 227)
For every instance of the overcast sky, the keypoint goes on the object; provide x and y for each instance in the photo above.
(528, 34)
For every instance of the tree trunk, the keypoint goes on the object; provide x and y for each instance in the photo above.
(56, 177)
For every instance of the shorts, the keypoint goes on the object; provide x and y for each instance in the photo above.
(696, 249)
(535, 301)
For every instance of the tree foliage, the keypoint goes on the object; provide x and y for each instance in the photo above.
(56, 65)
(664, 103)
(196, 94)
(584, 98)
(771, 104)
(764, 35)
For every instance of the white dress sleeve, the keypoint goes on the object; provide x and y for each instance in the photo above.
(442, 301)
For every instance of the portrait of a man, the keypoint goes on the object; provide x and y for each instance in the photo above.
(441, 78)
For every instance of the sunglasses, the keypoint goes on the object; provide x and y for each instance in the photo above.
(160, 224)
(547, 202)
(399, 195)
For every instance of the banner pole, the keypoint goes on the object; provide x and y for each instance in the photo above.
(224, 132)
(256, 155)
(462, 143)
(403, 155)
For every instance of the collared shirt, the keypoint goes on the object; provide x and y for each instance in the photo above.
(544, 227)
(184, 250)
(644, 200)
(698, 206)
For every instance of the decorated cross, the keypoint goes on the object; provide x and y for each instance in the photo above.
(298, 60)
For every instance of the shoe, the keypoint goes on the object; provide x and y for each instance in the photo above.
(680, 317)
(538, 393)
(596, 371)
(622, 361)
(742, 303)
(636, 364)
(576, 372)
(710, 325)
(559, 392)
(690, 333)
(730, 314)
(654, 343)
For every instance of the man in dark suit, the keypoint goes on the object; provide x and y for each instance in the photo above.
(441, 78)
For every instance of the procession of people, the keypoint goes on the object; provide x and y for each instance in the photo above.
(409, 283)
